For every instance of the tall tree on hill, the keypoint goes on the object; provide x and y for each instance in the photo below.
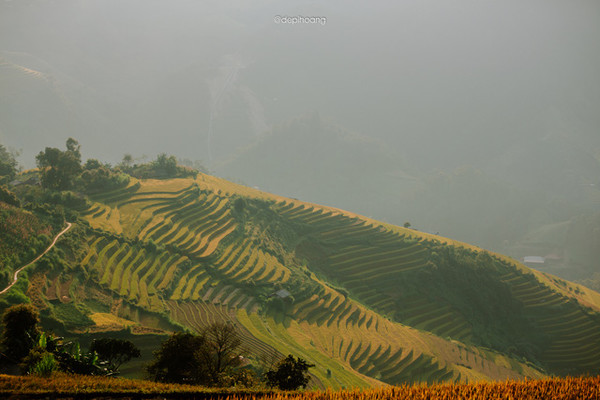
(59, 168)
(221, 352)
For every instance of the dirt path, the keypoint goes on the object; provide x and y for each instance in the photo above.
(16, 276)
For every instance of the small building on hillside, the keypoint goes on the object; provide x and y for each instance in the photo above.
(534, 261)
(282, 294)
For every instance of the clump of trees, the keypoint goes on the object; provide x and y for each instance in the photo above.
(60, 168)
(63, 170)
(215, 358)
(212, 358)
(164, 167)
(97, 177)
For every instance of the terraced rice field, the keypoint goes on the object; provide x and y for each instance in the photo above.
(194, 221)
(369, 260)
(132, 271)
(185, 251)
(370, 269)
(572, 329)
(199, 315)
(375, 346)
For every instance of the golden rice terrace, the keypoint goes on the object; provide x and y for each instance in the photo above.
(366, 302)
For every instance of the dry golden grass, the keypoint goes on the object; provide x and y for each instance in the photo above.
(106, 321)
(70, 386)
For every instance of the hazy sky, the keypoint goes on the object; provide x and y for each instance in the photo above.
(411, 72)
(507, 87)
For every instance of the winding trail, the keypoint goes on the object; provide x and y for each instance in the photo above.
(16, 276)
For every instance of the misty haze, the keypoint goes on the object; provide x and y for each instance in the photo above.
(462, 120)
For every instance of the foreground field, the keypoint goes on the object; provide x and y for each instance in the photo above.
(64, 386)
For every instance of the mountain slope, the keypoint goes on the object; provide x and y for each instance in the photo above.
(369, 301)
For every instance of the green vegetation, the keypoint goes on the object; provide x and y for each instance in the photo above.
(289, 374)
(176, 360)
(60, 168)
(164, 167)
(20, 332)
(8, 165)
(213, 358)
(114, 351)
(36, 352)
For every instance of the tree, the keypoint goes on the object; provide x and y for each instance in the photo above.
(221, 351)
(166, 164)
(59, 168)
(21, 332)
(115, 351)
(177, 360)
(92, 163)
(289, 374)
(8, 165)
(9, 197)
(97, 177)
(126, 163)
(74, 147)
(210, 358)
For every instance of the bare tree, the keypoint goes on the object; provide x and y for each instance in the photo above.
(222, 350)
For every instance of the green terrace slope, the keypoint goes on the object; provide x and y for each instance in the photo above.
(369, 302)
(23, 235)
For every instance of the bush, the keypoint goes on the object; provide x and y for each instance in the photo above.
(115, 351)
(39, 362)
(164, 167)
(289, 374)
(97, 178)
(66, 199)
(9, 197)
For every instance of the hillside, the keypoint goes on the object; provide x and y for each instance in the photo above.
(23, 236)
(519, 151)
(369, 302)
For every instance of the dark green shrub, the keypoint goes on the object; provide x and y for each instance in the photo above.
(289, 374)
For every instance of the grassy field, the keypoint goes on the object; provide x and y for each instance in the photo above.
(64, 386)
